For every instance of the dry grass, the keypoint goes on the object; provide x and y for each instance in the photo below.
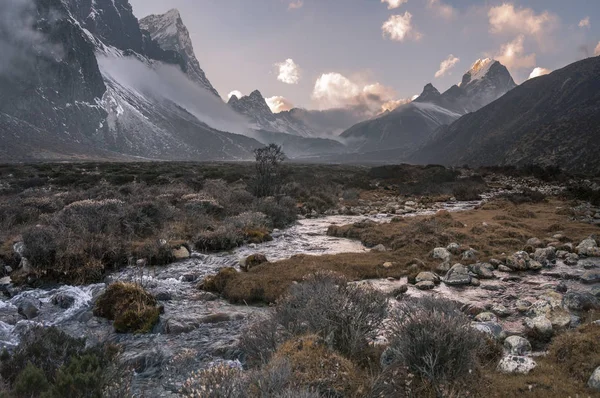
(494, 230)
(130, 307)
(572, 358)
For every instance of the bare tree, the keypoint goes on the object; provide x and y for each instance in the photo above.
(268, 174)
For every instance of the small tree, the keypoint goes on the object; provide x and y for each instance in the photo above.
(268, 177)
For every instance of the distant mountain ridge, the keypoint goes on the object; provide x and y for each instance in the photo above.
(410, 125)
(549, 120)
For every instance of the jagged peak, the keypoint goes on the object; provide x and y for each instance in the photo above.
(429, 93)
(256, 94)
(479, 70)
(173, 13)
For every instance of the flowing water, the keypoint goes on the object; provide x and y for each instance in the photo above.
(197, 328)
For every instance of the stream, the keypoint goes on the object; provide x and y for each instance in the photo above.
(197, 328)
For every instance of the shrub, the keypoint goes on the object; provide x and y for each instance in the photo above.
(280, 213)
(40, 246)
(347, 316)
(31, 382)
(527, 196)
(224, 237)
(130, 307)
(577, 351)
(216, 283)
(467, 192)
(220, 381)
(435, 341)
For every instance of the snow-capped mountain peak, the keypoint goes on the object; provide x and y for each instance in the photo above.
(480, 68)
(169, 31)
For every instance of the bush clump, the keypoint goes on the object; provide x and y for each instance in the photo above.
(436, 342)
(52, 364)
(132, 309)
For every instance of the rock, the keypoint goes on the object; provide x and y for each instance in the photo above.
(163, 295)
(562, 287)
(441, 254)
(400, 290)
(443, 267)
(559, 318)
(379, 248)
(501, 310)
(486, 317)
(518, 261)
(591, 276)
(425, 285)
(504, 268)
(177, 326)
(571, 259)
(189, 277)
(253, 261)
(535, 242)
(25, 265)
(458, 275)
(28, 309)
(516, 364)
(181, 253)
(581, 301)
(454, 248)
(475, 282)
(517, 345)
(63, 301)
(8, 269)
(495, 263)
(469, 255)
(546, 256)
(541, 325)
(594, 381)
(427, 277)
(493, 329)
(522, 305)
(388, 265)
(535, 265)
(587, 246)
(483, 270)
(141, 263)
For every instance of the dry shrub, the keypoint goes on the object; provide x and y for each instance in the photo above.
(314, 366)
(577, 351)
(217, 283)
(220, 381)
(436, 342)
(130, 307)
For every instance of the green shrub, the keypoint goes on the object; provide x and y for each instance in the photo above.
(31, 382)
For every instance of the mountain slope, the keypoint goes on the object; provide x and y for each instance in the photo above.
(549, 120)
(59, 103)
(171, 34)
(409, 126)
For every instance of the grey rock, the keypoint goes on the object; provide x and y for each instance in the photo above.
(63, 301)
(571, 259)
(493, 329)
(587, 246)
(425, 285)
(163, 295)
(427, 277)
(516, 364)
(501, 310)
(379, 248)
(581, 301)
(469, 255)
(545, 256)
(517, 345)
(483, 270)
(523, 305)
(28, 309)
(518, 261)
(458, 275)
(441, 253)
(540, 325)
(486, 317)
(535, 242)
(591, 276)
(594, 381)
(454, 248)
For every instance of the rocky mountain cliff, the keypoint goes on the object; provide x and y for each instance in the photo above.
(94, 85)
(549, 120)
(169, 31)
(409, 126)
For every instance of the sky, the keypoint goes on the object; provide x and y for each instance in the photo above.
(322, 54)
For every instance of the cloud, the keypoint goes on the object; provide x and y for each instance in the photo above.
(20, 43)
(391, 105)
(334, 90)
(446, 65)
(512, 55)
(506, 19)
(279, 104)
(294, 5)
(400, 28)
(539, 72)
(237, 93)
(441, 9)
(289, 71)
(597, 50)
(394, 3)
(585, 22)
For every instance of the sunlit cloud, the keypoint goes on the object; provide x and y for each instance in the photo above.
(506, 19)
(334, 90)
(279, 104)
(441, 9)
(400, 28)
(597, 50)
(237, 93)
(513, 56)
(294, 5)
(537, 72)
(289, 72)
(447, 65)
(585, 23)
(392, 4)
